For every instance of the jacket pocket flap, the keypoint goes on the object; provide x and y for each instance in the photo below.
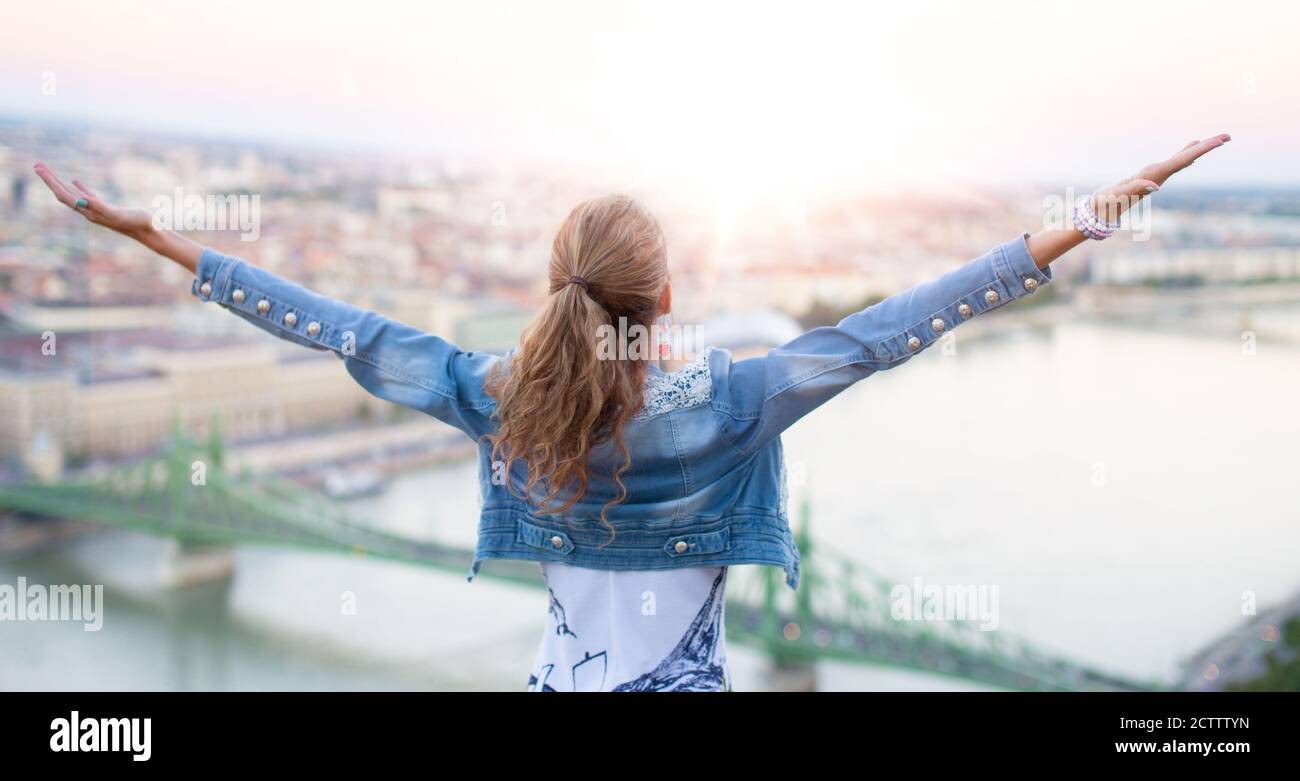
(695, 544)
(544, 539)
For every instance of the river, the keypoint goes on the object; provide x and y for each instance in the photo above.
(1122, 489)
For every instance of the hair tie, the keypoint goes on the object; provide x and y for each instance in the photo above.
(577, 280)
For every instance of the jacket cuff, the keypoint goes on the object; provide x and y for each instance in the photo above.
(212, 276)
(1017, 270)
(218, 278)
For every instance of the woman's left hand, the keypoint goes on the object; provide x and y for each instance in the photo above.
(1110, 202)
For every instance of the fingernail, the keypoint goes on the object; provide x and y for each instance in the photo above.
(1150, 189)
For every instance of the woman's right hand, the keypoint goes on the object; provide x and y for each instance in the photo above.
(133, 223)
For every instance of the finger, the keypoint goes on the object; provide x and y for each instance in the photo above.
(1134, 186)
(56, 185)
(1188, 155)
(86, 191)
(1113, 201)
(1192, 151)
(1137, 188)
(94, 205)
(75, 194)
(58, 180)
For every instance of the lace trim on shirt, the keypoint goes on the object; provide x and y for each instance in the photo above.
(690, 386)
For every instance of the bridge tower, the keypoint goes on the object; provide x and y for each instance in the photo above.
(189, 562)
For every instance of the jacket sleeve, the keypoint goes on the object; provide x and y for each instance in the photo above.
(393, 361)
(758, 398)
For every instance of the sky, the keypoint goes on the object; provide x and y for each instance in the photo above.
(740, 95)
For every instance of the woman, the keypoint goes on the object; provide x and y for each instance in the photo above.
(633, 488)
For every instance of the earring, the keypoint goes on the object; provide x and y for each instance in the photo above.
(665, 336)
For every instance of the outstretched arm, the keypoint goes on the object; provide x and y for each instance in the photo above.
(389, 359)
(758, 398)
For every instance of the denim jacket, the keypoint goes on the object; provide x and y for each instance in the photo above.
(707, 482)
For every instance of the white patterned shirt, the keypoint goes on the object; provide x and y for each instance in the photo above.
(642, 630)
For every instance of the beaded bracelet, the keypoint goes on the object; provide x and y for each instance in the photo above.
(1089, 224)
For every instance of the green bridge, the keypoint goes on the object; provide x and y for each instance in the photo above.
(841, 610)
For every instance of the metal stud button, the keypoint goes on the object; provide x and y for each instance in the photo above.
(964, 310)
(290, 319)
(681, 546)
(313, 328)
(914, 343)
(937, 325)
(264, 306)
(557, 541)
(206, 288)
(238, 295)
(991, 297)
(1031, 284)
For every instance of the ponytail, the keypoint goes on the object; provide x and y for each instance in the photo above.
(561, 395)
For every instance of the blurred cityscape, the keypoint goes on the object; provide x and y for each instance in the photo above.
(104, 353)
(461, 253)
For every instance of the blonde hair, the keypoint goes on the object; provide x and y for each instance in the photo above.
(559, 397)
